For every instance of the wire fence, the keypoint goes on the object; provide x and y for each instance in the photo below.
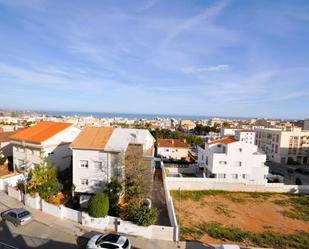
(6, 246)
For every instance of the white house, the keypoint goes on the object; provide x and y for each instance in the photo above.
(231, 159)
(48, 140)
(224, 132)
(247, 136)
(175, 149)
(98, 155)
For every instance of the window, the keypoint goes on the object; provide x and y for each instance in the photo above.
(97, 165)
(167, 150)
(108, 245)
(234, 176)
(222, 162)
(221, 176)
(239, 163)
(84, 182)
(219, 145)
(51, 153)
(84, 164)
(244, 176)
(240, 149)
(97, 184)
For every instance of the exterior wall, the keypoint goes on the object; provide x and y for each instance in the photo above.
(10, 181)
(92, 174)
(237, 160)
(52, 209)
(34, 202)
(283, 145)
(176, 183)
(227, 132)
(172, 153)
(245, 136)
(15, 193)
(306, 124)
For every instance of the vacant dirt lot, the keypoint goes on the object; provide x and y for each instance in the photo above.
(252, 212)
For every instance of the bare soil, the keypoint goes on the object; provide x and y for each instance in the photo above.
(239, 210)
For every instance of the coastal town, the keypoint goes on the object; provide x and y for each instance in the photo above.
(152, 124)
(137, 176)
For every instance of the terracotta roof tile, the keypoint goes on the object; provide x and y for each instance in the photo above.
(5, 136)
(172, 143)
(40, 132)
(227, 140)
(93, 138)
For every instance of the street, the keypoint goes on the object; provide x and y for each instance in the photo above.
(46, 231)
(289, 178)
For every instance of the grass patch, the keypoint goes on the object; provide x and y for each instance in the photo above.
(195, 195)
(299, 204)
(299, 240)
(223, 210)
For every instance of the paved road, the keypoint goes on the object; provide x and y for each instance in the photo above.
(46, 231)
(289, 178)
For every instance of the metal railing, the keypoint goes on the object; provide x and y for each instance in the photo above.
(6, 246)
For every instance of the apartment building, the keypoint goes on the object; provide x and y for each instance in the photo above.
(247, 136)
(172, 149)
(98, 155)
(44, 141)
(306, 124)
(284, 145)
(231, 159)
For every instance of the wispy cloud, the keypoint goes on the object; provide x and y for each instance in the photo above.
(218, 68)
(206, 15)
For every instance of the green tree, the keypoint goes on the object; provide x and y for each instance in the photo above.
(43, 179)
(113, 190)
(98, 205)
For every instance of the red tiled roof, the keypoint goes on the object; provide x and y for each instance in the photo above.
(40, 132)
(227, 140)
(5, 136)
(172, 143)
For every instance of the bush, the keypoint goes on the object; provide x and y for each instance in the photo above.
(98, 205)
(21, 186)
(2, 159)
(113, 190)
(49, 188)
(141, 215)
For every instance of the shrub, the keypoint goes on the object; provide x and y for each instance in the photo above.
(21, 186)
(98, 205)
(141, 215)
(2, 159)
(113, 190)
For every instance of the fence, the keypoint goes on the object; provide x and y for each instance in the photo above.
(6, 246)
(174, 183)
(170, 206)
(71, 214)
(34, 202)
(15, 193)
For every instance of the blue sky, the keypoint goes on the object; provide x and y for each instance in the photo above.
(227, 58)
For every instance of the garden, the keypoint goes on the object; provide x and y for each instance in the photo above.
(249, 219)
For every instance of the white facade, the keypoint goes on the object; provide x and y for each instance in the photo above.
(56, 150)
(224, 132)
(92, 169)
(245, 136)
(235, 160)
(283, 146)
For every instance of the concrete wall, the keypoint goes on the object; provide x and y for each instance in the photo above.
(71, 214)
(15, 193)
(174, 183)
(51, 209)
(10, 181)
(34, 202)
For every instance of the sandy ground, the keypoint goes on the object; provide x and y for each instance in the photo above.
(242, 211)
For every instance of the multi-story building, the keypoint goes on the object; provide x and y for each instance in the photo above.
(98, 155)
(44, 141)
(284, 146)
(247, 136)
(231, 159)
(306, 125)
(172, 149)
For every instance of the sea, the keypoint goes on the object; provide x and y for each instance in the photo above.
(134, 115)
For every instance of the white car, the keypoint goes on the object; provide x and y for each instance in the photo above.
(111, 241)
(227, 246)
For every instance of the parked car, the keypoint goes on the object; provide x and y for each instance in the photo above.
(110, 240)
(226, 246)
(302, 171)
(18, 216)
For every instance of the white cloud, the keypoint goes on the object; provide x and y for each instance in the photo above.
(217, 68)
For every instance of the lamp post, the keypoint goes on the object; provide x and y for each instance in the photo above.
(25, 174)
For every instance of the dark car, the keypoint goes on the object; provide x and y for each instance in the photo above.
(18, 216)
(302, 171)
